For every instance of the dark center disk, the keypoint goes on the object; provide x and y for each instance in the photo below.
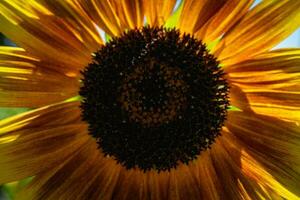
(154, 98)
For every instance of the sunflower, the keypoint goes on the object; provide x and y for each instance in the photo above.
(151, 99)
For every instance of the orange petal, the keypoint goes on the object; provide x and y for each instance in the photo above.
(49, 36)
(104, 15)
(78, 177)
(279, 103)
(263, 183)
(270, 81)
(183, 184)
(40, 139)
(137, 184)
(157, 185)
(25, 82)
(158, 11)
(196, 13)
(273, 143)
(261, 29)
(130, 185)
(268, 184)
(77, 20)
(205, 175)
(104, 184)
(226, 161)
(238, 98)
(224, 20)
(130, 13)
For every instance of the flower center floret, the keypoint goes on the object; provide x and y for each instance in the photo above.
(154, 98)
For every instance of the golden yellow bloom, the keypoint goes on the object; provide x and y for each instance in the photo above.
(71, 154)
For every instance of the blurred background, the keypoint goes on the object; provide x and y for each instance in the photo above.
(8, 191)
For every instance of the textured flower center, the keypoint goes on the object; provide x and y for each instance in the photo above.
(154, 98)
(153, 95)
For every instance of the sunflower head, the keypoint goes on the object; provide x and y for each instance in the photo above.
(154, 97)
(146, 114)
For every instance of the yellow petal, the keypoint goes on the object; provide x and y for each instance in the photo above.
(261, 29)
(224, 20)
(77, 20)
(262, 189)
(256, 171)
(46, 34)
(26, 81)
(158, 11)
(238, 98)
(130, 13)
(270, 82)
(196, 13)
(40, 139)
(206, 177)
(273, 143)
(226, 161)
(75, 178)
(104, 15)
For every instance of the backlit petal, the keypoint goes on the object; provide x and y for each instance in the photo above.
(104, 15)
(40, 139)
(26, 81)
(129, 12)
(75, 177)
(158, 11)
(270, 82)
(274, 144)
(196, 13)
(261, 29)
(48, 35)
(224, 20)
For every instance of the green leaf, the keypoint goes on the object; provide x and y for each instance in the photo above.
(75, 98)
(107, 38)
(8, 112)
(11, 189)
(174, 19)
(234, 108)
(213, 44)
